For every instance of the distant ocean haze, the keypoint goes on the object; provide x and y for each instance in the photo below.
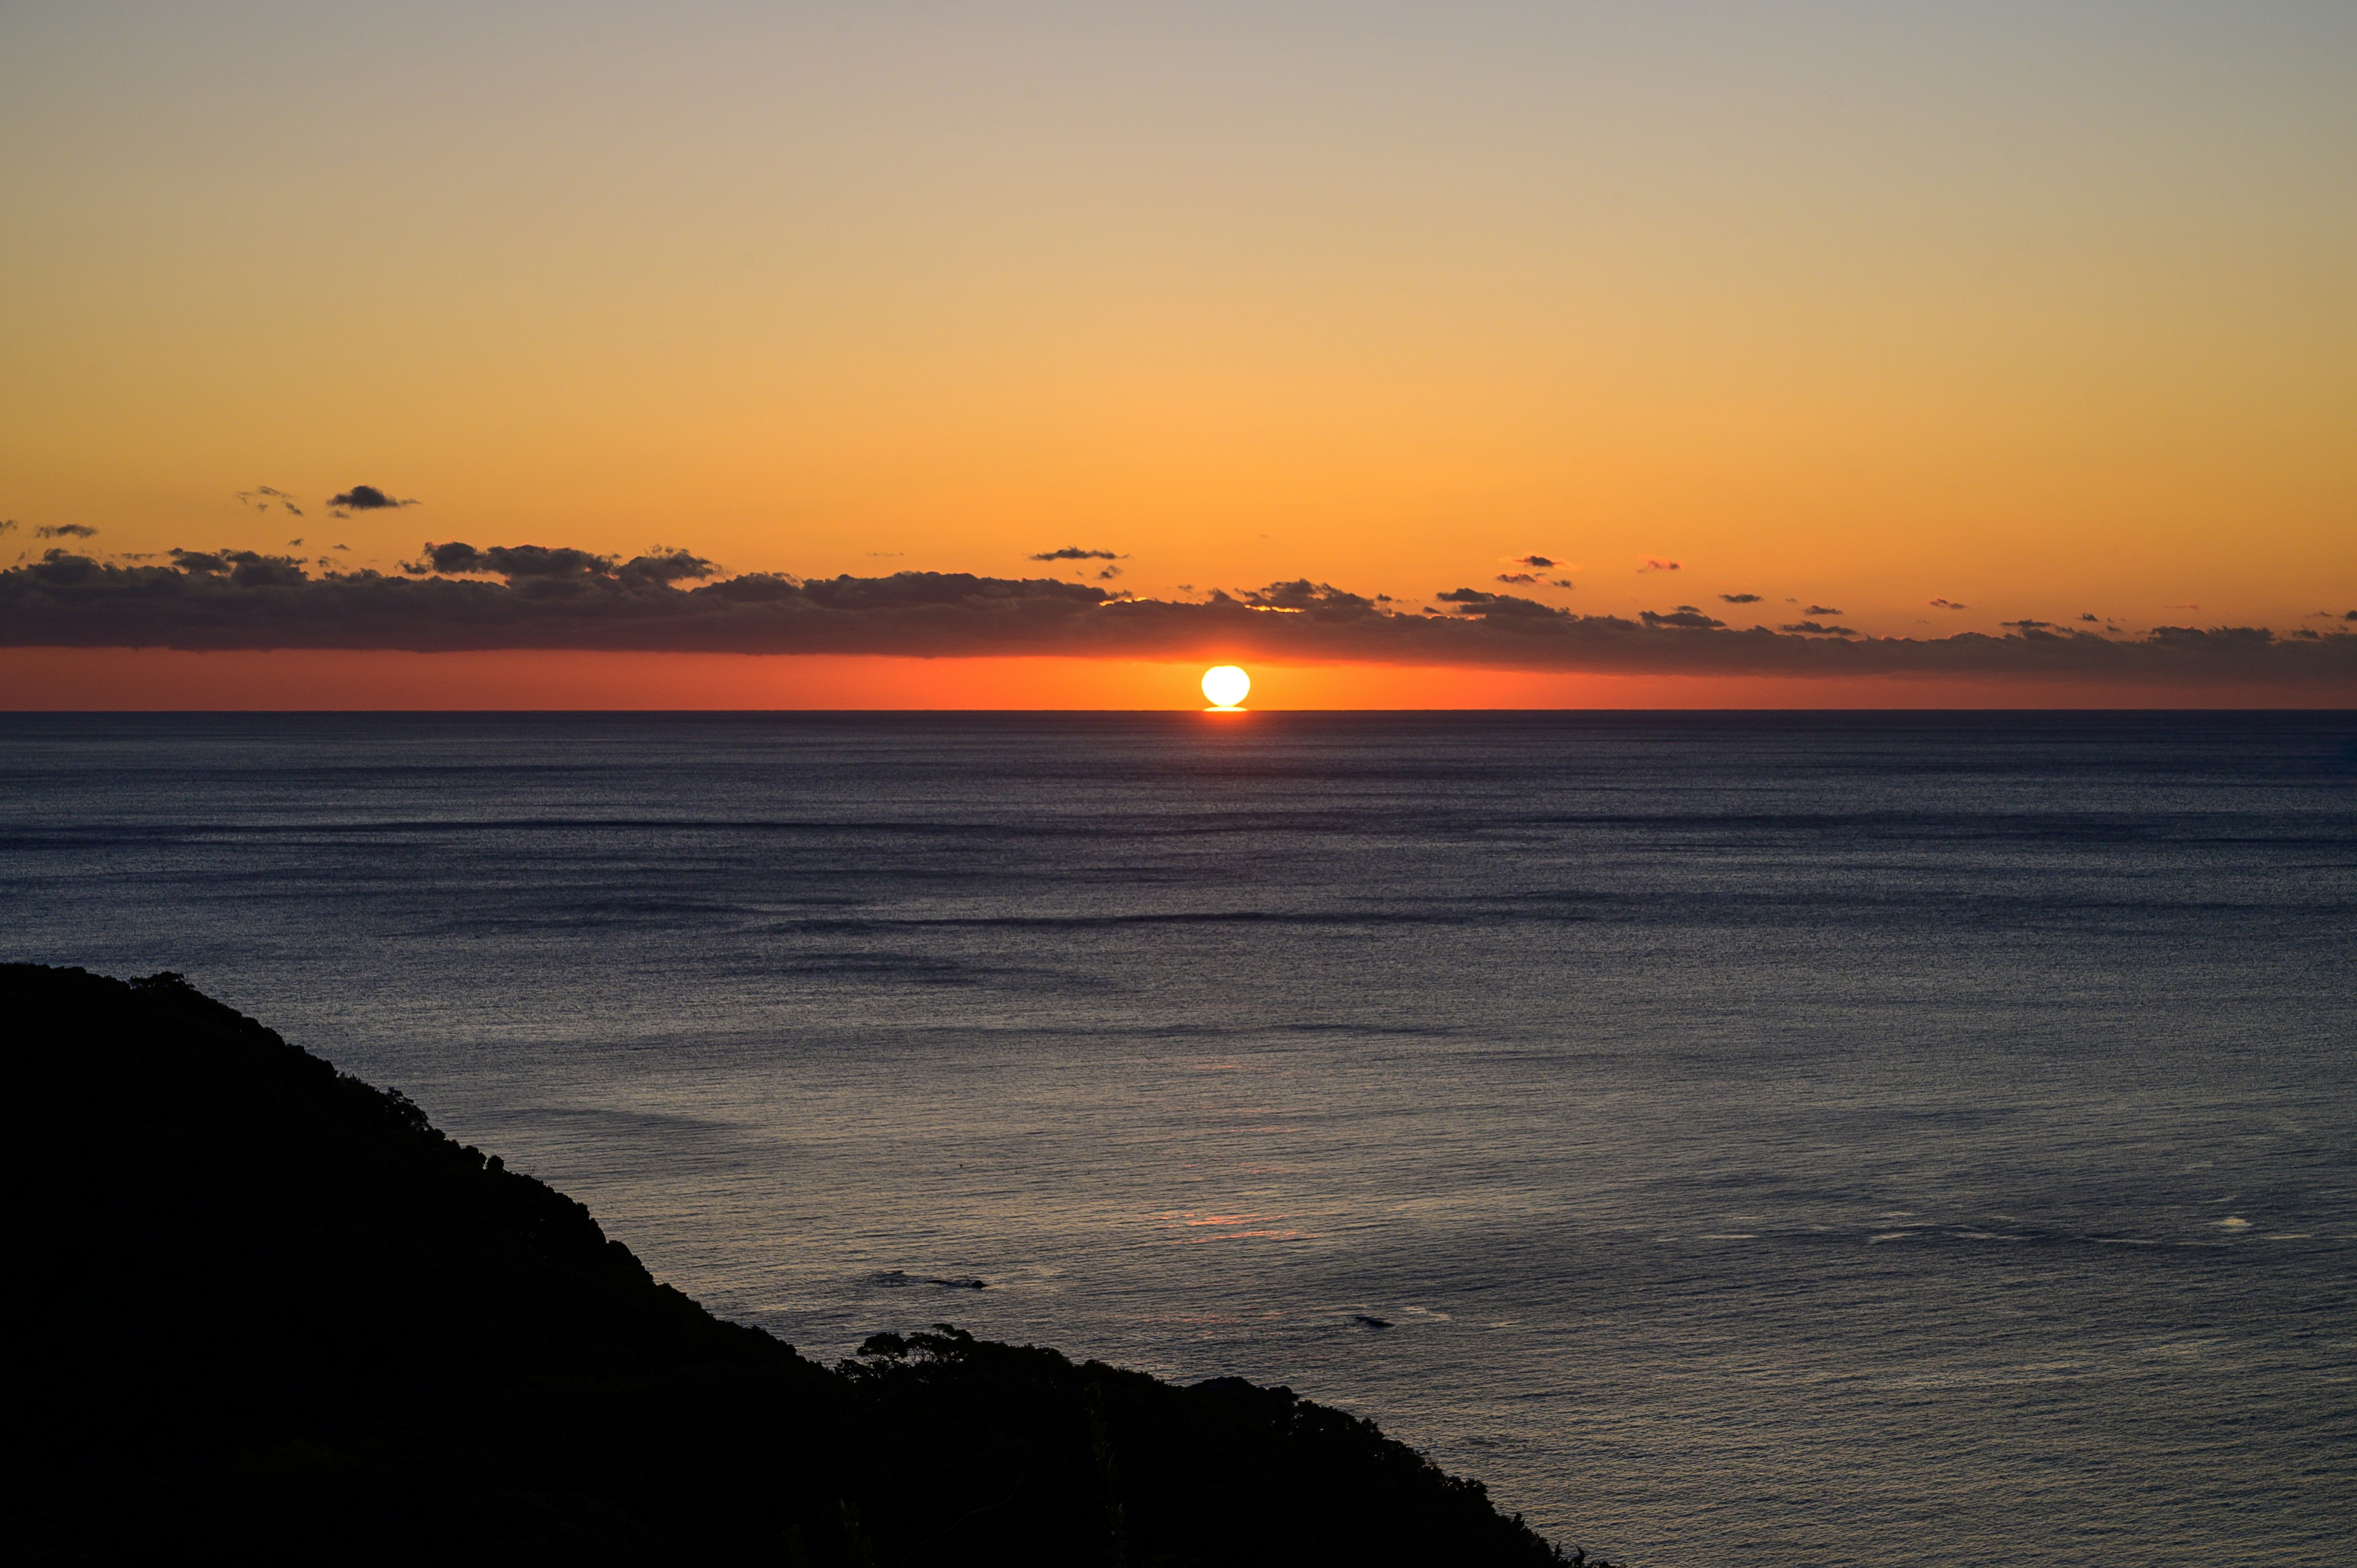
(1880, 1139)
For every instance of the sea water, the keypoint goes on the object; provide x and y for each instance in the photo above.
(1860, 1138)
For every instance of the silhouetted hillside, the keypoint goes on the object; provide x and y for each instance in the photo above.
(271, 1314)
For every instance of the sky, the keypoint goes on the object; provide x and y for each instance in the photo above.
(1908, 320)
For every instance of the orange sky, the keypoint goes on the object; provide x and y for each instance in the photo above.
(83, 680)
(2043, 313)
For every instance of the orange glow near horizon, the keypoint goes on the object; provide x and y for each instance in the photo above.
(130, 680)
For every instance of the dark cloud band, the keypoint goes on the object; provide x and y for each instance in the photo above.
(457, 597)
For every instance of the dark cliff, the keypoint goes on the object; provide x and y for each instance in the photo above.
(271, 1314)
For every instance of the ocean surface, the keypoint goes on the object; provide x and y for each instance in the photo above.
(1736, 1139)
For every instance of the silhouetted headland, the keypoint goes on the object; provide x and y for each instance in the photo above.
(271, 1314)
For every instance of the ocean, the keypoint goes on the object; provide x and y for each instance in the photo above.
(1736, 1139)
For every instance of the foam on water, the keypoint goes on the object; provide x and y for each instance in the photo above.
(1865, 1139)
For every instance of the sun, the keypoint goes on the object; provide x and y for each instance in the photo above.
(1226, 686)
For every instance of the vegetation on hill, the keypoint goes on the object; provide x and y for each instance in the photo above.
(275, 1317)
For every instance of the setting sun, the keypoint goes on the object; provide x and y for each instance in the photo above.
(1226, 685)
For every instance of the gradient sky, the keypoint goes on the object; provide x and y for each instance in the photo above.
(2042, 309)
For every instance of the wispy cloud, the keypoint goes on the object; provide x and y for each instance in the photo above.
(1656, 563)
(1949, 604)
(66, 530)
(1074, 553)
(262, 498)
(1740, 599)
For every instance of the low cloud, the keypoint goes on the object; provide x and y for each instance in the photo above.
(1655, 563)
(1074, 553)
(1948, 605)
(1738, 599)
(1684, 616)
(559, 569)
(66, 530)
(367, 498)
(236, 568)
(1529, 579)
(1481, 603)
(1536, 563)
(1821, 610)
(458, 596)
(7, 525)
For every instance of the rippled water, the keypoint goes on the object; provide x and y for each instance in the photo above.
(1852, 1139)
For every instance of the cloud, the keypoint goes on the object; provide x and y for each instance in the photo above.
(1655, 563)
(1948, 605)
(1108, 575)
(1484, 604)
(1074, 553)
(560, 570)
(366, 497)
(1684, 616)
(1740, 599)
(1821, 610)
(458, 595)
(261, 496)
(1535, 562)
(1302, 597)
(1530, 579)
(66, 530)
(2091, 617)
(7, 525)
(238, 568)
